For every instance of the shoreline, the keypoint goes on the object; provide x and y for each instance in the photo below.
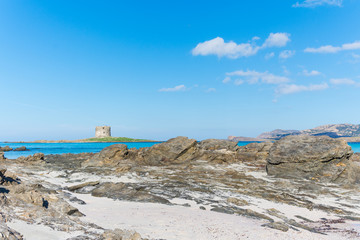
(185, 189)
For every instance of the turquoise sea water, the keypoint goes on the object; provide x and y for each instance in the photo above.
(60, 148)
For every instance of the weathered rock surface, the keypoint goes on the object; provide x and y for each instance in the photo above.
(7, 233)
(67, 160)
(111, 155)
(118, 234)
(216, 151)
(20, 149)
(37, 158)
(5, 149)
(175, 150)
(317, 158)
(2, 157)
(122, 191)
(254, 152)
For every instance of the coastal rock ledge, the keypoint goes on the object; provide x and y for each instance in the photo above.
(315, 158)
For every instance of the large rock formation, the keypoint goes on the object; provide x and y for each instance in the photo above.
(254, 152)
(111, 155)
(5, 149)
(174, 151)
(20, 149)
(2, 157)
(317, 158)
(37, 158)
(177, 149)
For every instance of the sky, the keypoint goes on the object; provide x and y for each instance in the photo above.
(161, 69)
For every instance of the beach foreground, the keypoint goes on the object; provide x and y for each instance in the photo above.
(296, 188)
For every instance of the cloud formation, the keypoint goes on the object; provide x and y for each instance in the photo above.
(220, 48)
(286, 54)
(210, 90)
(276, 40)
(344, 81)
(310, 73)
(253, 77)
(269, 55)
(331, 49)
(174, 89)
(294, 88)
(317, 3)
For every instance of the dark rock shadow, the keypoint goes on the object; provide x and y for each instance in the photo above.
(4, 190)
(45, 203)
(11, 180)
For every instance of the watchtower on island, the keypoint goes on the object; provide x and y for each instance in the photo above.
(102, 132)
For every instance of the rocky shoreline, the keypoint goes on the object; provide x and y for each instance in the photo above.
(299, 187)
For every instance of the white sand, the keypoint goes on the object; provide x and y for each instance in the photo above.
(179, 223)
(39, 231)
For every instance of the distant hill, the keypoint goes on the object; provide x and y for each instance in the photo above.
(349, 132)
(331, 130)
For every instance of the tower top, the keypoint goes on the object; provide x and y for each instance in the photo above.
(102, 131)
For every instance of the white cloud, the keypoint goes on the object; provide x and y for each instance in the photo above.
(293, 88)
(316, 3)
(238, 82)
(226, 80)
(210, 90)
(277, 40)
(343, 81)
(174, 89)
(331, 49)
(269, 55)
(253, 77)
(286, 54)
(351, 46)
(220, 48)
(310, 73)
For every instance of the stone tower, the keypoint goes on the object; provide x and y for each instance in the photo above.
(103, 131)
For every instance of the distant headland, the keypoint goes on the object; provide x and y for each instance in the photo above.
(348, 132)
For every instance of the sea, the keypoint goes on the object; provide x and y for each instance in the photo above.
(60, 148)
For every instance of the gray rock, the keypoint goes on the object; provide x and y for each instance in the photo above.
(20, 149)
(216, 151)
(277, 225)
(2, 176)
(175, 150)
(217, 144)
(122, 191)
(111, 156)
(316, 158)
(254, 152)
(118, 234)
(34, 159)
(5, 149)
(76, 187)
(7, 233)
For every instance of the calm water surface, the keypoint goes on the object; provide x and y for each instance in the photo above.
(60, 148)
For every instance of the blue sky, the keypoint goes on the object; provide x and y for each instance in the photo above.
(159, 69)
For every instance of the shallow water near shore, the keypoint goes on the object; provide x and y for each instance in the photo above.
(60, 148)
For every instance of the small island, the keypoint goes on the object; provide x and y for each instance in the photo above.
(102, 134)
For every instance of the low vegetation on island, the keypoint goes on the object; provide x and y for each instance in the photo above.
(116, 139)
